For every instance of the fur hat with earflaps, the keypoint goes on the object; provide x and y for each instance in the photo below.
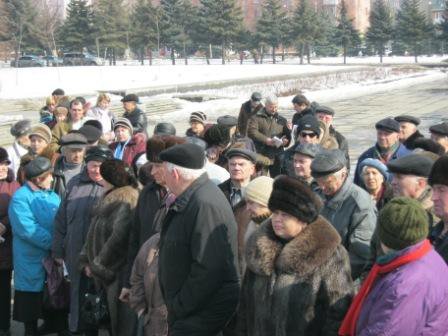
(117, 173)
(294, 197)
(439, 172)
(157, 144)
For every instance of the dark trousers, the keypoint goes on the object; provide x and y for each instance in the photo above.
(5, 299)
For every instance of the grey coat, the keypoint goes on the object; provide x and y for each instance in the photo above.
(70, 230)
(353, 214)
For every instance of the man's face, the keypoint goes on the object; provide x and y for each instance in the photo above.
(271, 108)
(129, 106)
(308, 137)
(441, 140)
(93, 170)
(302, 165)
(326, 118)
(24, 141)
(197, 127)
(299, 107)
(74, 155)
(256, 209)
(386, 139)
(122, 134)
(37, 144)
(440, 199)
(240, 169)
(76, 112)
(330, 184)
(170, 178)
(407, 185)
(406, 130)
(157, 173)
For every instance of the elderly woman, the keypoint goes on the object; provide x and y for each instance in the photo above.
(297, 280)
(31, 213)
(375, 177)
(7, 188)
(127, 146)
(406, 292)
(103, 256)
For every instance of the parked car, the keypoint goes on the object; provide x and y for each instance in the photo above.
(77, 58)
(52, 60)
(28, 61)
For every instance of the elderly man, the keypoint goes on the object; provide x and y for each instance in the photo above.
(348, 207)
(439, 134)
(198, 269)
(241, 168)
(70, 163)
(387, 147)
(438, 179)
(136, 116)
(410, 179)
(248, 109)
(270, 133)
(303, 158)
(408, 130)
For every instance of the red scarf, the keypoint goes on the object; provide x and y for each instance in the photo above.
(348, 327)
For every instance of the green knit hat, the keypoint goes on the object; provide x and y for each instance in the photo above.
(402, 222)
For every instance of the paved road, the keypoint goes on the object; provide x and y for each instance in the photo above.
(355, 118)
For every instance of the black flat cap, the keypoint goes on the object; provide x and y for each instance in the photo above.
(244, 153)
(186, 155)
(98, 153)
(92, 133)
(309, 123)
(408, 118)
(164, 128)
(300, 99)
(196, 141)
(74, 139)
(308, 149)
(227, 120)
(58, 92)
(388, 124)
(441, 129)
(37, 167)
(324, 109)
(22, 127)
(327, 162)
(94, 123)
(412, 164)
(130, 98)
(256, 96)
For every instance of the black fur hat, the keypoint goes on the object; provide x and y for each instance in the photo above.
(429, 145)
(4, 156)
(439, 172)
(294, 197)
(156, 144)
(117, 173)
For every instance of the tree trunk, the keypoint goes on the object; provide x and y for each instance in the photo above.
(283, 53)
(381, 53)
(185, 53)
(150, 56)
(308, 56)
(415, 54)
(114, 59)
(273, 54)
(301, 53)
(173, 58)
(223, 53)
(142, 56)
(345, 54)
(207, 56)
(261, 55)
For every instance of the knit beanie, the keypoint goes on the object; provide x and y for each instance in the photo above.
(259, 190)
(294, 197)
(402, 223)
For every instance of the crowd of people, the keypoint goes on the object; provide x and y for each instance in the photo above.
(252, 225)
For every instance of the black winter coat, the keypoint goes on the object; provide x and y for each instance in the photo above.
(198, 267)
(246, 112)
(409, 143)
(138, 120)
(300, 287)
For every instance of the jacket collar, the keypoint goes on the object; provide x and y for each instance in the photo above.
(183, 199)
(263, 113)
(266, 253)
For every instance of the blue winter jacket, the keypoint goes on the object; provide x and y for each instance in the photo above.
(31, 213)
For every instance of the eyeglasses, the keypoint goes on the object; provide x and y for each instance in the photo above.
(309, 135)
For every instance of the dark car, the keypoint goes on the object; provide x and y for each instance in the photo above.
(52, 60)
(28, 61)
(76, 58)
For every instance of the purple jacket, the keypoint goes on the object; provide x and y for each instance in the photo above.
(412, 300)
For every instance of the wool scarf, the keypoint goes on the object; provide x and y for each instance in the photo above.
(348, 327)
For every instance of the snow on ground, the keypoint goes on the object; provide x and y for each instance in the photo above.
(39, 82)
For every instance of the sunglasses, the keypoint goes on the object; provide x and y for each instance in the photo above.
(309, 135)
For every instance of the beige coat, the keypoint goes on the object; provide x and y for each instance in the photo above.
(145, 289)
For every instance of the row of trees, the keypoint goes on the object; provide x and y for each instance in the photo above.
(110, 28)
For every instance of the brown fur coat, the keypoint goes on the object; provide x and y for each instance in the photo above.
(301, 287)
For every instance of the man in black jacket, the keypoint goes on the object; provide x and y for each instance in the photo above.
(136, 116)
(248, 109)
(198, 266)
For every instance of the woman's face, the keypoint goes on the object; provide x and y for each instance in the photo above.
(373, 179)
(286, 226)
(38, 144)
(197, 127)
(122, 134)
(3, 170)
(103, 104)
(45, 181)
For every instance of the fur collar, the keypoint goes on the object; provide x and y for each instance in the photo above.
(302, 255)
(127, 194)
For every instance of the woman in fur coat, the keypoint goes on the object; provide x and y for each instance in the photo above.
(103, 257)
(297, 280)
